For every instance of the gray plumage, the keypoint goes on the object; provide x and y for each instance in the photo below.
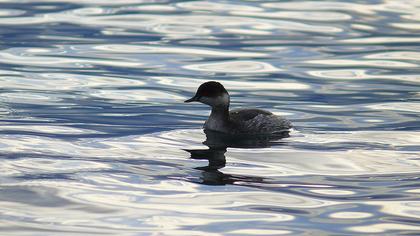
(257, 121)
(239, 121)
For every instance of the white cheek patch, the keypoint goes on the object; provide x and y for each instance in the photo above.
(207, 100)
(222, 100)
(217, 101)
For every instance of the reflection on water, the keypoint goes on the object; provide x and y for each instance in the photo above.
(95, 139)
(217, 144)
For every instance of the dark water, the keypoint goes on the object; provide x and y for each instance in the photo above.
(95, 139)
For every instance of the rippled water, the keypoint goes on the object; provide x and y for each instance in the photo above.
(95, 138)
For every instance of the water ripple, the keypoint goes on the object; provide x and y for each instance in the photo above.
(95, 138)
(235, 67)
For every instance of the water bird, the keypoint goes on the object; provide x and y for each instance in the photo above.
(250, 122)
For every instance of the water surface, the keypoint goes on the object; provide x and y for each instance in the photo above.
(95, 138)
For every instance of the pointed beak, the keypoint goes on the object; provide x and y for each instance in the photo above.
(193, 99)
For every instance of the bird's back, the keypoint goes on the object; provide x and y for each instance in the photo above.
(257, 121)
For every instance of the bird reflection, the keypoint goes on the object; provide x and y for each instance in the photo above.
(217, 144)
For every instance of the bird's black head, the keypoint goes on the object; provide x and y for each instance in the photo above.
(211, 93)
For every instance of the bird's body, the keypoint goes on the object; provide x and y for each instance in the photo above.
(238, 121)
(248, 121)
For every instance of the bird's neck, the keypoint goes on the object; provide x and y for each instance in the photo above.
(218, 119)
(220, 113)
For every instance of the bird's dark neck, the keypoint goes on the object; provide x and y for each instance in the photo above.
(220, 113)
(218, 119)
